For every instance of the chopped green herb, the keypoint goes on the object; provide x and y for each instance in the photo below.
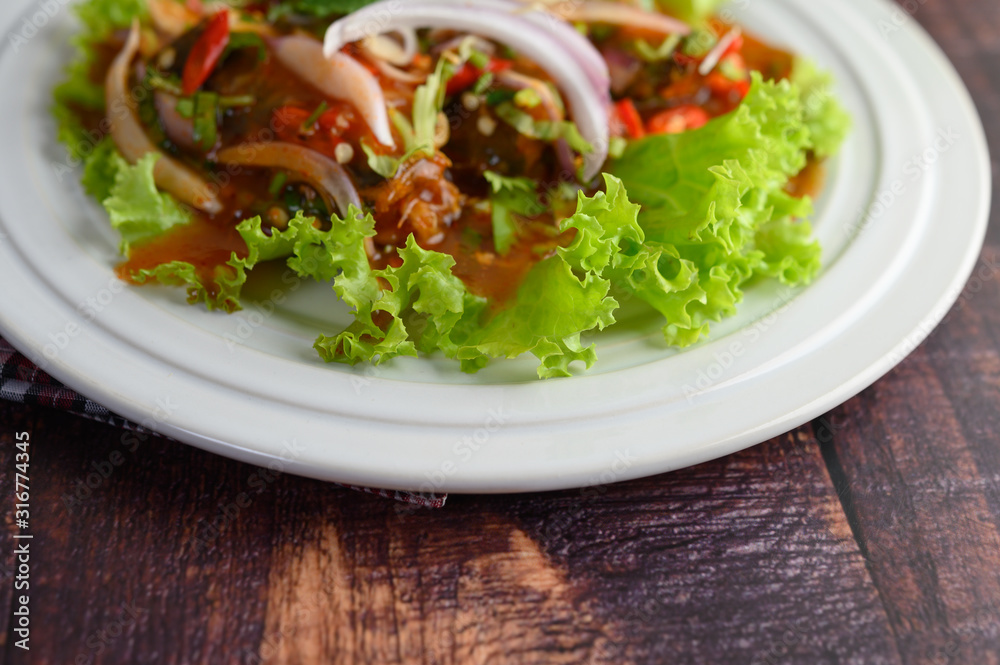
(307, 126)
(242, 40)
(384, 165)
(185, 107)
(237, 101)
(497, 97)
(616, 147)
(206, 120)
(471, 237)
(277, 183)
(428, 101)
(544, 130)
(168, 84)
(484, 83)
(527, 98)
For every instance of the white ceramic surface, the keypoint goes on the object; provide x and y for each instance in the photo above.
(902, 220)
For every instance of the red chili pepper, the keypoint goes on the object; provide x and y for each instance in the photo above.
(468, 74)
(677, 120)
(626, 113)
(205, 53)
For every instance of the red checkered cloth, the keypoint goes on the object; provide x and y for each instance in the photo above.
(21, 381)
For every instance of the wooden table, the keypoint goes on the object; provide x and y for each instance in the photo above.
(871, 535)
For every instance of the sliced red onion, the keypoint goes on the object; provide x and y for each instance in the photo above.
(178, 129)
(325, 175)
(623, 69)
(565, 34)
(130, 137)
(339, 76)
(584, 83)
(570, 38)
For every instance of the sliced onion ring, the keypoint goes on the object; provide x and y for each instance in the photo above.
(178, 129)
(322, 173)
(130, 137)
(338, 76)
(391, 51)
(556, 27)
(584, 84)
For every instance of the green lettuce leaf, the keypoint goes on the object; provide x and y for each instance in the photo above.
(553, 307)
(567, 294)
(714, 213)
(138, 210)
(219, 291)
(396, 309)
(827, 120)
(101, 17)
(77, 90)
(100, 170)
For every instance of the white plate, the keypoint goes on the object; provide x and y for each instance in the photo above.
(250, 387)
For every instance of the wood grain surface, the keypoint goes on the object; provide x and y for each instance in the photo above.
(870, 536)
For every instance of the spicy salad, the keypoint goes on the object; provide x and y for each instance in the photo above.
(477, 178)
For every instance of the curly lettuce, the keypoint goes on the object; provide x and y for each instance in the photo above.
(421, 306)
(826, 119)
(138, 210)
(714, 210)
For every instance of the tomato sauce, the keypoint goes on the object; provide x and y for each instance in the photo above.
(809, 181)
